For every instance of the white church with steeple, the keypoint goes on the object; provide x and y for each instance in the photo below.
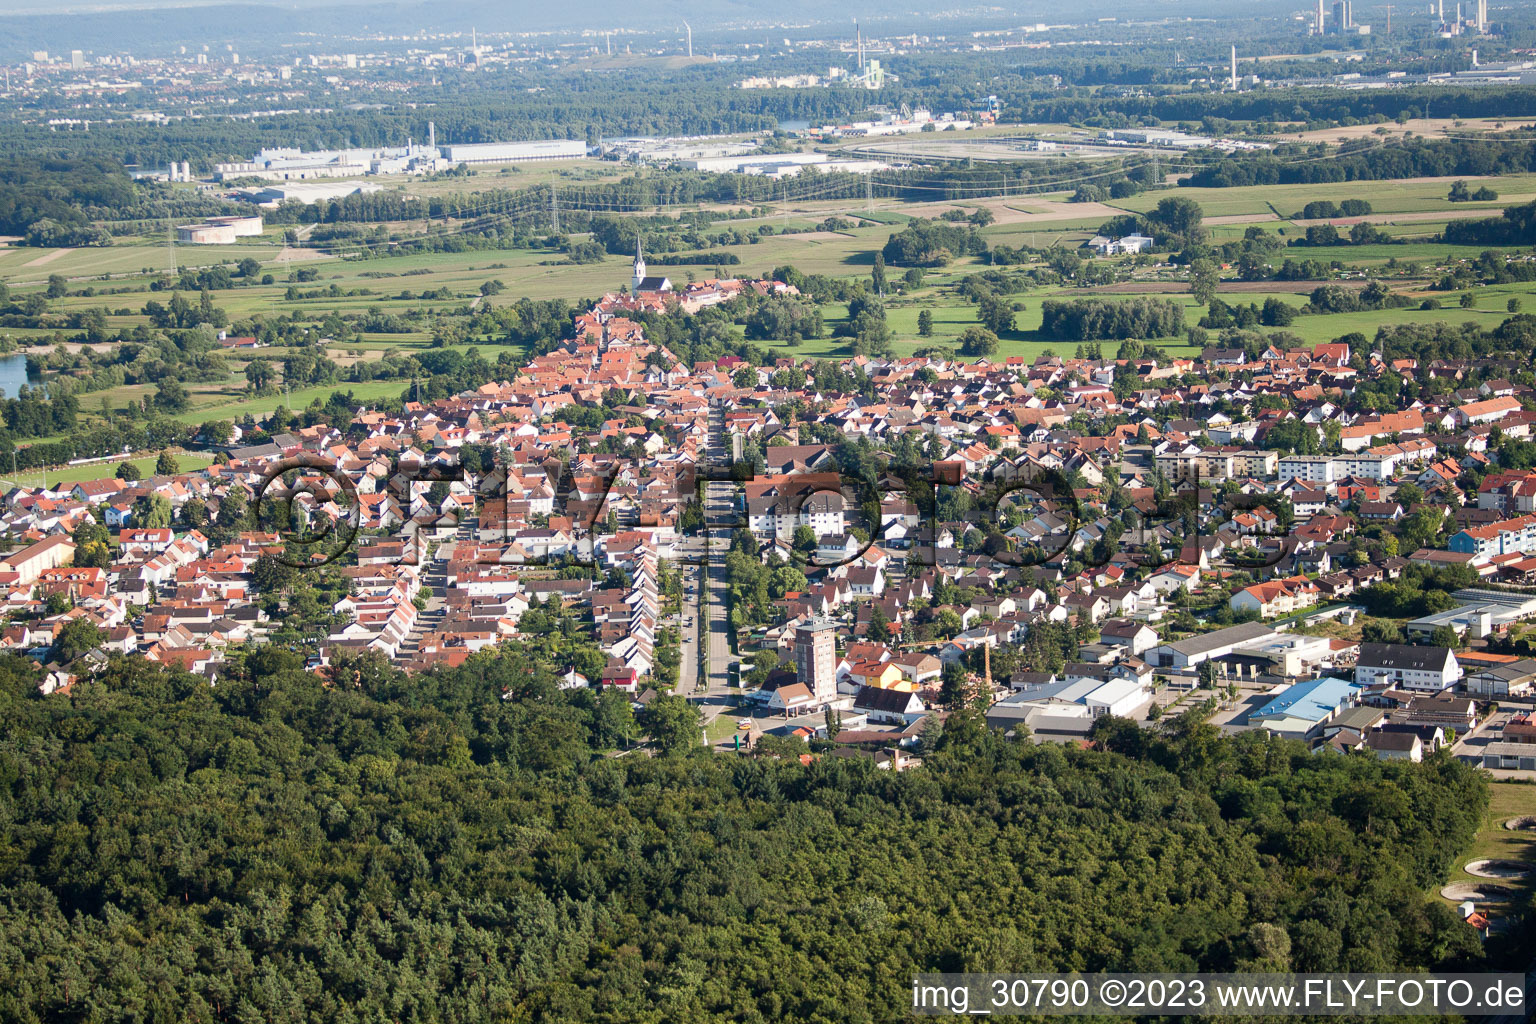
(640, 283)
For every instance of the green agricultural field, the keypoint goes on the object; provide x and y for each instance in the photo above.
(1043, 235)
(1425, 253)
(230, 405)
(129, 267)
(952, 315)
(488, 177)
(949, 319)
(1315, 330)
(1233, 232)
(186, 462)
(1412, 196)
(24, 266)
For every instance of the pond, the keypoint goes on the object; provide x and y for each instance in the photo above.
(13, 374)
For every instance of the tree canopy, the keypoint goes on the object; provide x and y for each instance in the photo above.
(454, 845)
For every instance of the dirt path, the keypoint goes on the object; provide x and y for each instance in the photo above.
(1240, 218)
(1040, 211)
(48, 257)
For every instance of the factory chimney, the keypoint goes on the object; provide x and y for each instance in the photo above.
(689, 29)
(859, 41)
(1234, 69)
(1319, 17)
(431, 134)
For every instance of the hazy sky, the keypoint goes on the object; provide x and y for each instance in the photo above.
(577, 10)
(87, 6)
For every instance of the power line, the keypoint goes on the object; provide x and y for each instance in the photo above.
(518, 207)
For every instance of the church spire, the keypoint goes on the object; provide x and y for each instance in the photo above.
(639, 268)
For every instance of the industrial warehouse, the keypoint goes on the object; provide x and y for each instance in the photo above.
(285, 164)
(219, 230)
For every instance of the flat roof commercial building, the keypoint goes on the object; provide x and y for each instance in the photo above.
(1190, 652)
(514, 152)
(1299, 709)
(306, 192)
(1510, 756)
(1072, 697)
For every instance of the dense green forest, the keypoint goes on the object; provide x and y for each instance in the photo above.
(34, 191)
(1265, 105)
(58, 200)
(587, 106)
(1097, 319)
(1369, 160)
(454, 846)
(1516, 226)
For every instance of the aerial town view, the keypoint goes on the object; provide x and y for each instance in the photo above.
(687, 513)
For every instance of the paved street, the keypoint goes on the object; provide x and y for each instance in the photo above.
(434, 575)
(705, 588)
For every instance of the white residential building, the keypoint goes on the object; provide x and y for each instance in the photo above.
(1313, 469)
(1429, 669)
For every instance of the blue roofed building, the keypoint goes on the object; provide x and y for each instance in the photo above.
(1305, 706)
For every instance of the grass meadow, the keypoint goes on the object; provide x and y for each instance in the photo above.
(119, 275)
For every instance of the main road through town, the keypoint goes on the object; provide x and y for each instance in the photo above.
(707, 679)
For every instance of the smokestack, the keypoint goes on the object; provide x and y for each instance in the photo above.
(1319, 17)
(859, 41)
(1234, 69)
(689, 29)
(431, 134)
